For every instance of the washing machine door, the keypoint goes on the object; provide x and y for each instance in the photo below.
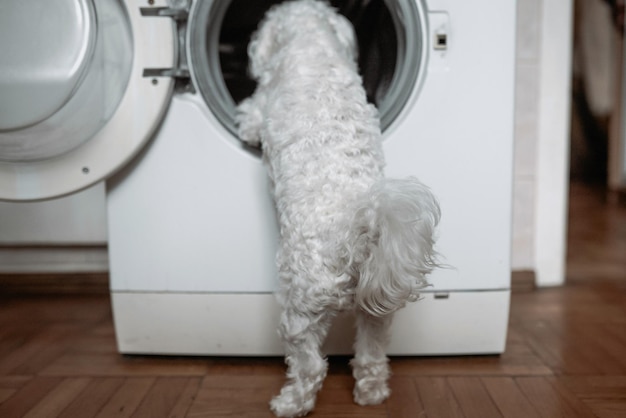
(75, 104)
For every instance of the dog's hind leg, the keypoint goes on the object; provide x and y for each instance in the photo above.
(303, 334)
(370, 366)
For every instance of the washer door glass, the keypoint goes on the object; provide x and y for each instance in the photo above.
(61, 78)
(392, 35)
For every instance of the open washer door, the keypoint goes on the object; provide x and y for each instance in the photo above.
(75, 105)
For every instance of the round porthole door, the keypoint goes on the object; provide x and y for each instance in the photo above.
(75, 104)
(392, 37)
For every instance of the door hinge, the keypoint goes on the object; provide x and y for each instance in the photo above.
(178, 11)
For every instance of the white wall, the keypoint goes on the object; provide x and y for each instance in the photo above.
(544, 49)
(66, 234)
(553, 139)
(79, 219)
(526, 131)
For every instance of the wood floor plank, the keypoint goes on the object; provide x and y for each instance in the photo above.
(93, 342)
(47, 353)
(6, 394)
(161, 398)
(604, 395)
(93, 398)
(616, 333)
(335, 400)
(48, 339)
(607, 408)
(473, 398)
(548, 401)
(29, 395)
(186, 398)
(107, 364)
(58, 398)
(600, 407)
(248, 365)
(38, 284)
(13, 381)
(127, 398)
(517, 360)
(13, 335)
(235, 396)
(508, 397)
(56, 309)
(404, 401)
(599, 350)
(601, 387)
(9, 385)
(558, 354)
(613, 347)
(438, 398)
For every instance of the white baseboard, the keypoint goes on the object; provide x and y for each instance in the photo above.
(53, 259)
(245, 324)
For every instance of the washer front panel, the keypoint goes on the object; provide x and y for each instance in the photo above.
(132, 123)
(192, 185)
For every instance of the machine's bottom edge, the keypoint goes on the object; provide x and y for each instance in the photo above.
(240, 324)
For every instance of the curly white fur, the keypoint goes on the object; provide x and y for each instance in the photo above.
(349, 237)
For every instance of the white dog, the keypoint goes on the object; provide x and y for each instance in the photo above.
(349, 237)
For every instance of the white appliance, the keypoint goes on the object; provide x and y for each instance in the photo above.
(140, 93)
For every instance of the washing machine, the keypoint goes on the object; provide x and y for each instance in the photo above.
(142, 94)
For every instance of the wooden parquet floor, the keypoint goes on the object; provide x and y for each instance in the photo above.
(565, 357)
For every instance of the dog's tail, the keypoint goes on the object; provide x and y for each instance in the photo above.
(390, 244)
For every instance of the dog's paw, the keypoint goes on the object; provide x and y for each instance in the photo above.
(291, 404)
(250, 135)
(249, 122)
(371, 391)
(370, 381)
